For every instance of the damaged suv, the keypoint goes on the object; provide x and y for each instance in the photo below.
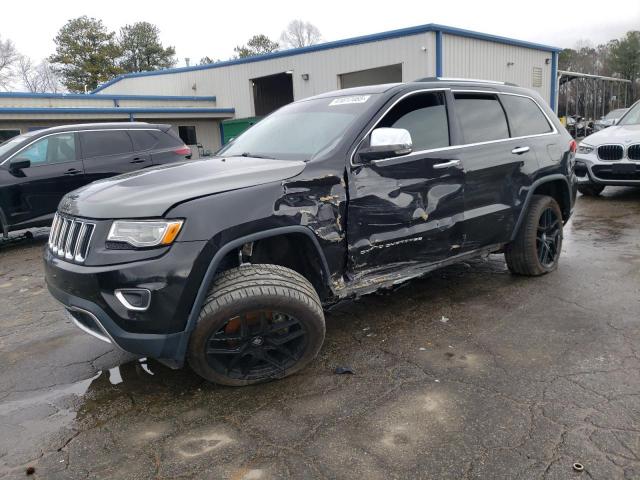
(228, 262)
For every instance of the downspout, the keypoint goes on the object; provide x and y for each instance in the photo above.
(553, 98)
(439, 70)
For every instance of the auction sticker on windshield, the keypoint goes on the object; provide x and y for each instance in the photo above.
(349, 100)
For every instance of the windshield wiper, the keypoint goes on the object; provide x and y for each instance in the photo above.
(255, 155)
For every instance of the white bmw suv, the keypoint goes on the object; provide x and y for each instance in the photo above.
(611, 156)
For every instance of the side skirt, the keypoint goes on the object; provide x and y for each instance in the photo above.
(398, 273)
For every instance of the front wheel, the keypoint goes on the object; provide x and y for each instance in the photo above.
(590, 189)
(259, 322)
(536, 248)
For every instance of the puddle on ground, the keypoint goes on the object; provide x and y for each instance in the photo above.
(33, 421)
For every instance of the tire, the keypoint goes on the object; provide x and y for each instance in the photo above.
(241, 316)
(526, 255)
(590, 189)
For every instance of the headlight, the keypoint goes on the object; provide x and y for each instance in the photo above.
(583, 148)
(145, 233)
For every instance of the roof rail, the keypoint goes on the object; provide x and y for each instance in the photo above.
(470, 80)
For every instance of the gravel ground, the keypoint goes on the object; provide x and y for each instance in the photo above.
(467, 373)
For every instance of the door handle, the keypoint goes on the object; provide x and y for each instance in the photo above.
(450, 163)
(137, 160)
(72, 171)
(520, 150)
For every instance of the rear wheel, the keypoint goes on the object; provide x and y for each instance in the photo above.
(259, 322)
(536, 249)
(590, 189)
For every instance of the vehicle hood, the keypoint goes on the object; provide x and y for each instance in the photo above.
(622, 134)
(151, 192)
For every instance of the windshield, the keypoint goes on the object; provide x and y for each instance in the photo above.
(11, 143)
(615, 113)
(300, 131)
(632, 117)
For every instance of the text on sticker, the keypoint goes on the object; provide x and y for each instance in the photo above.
(349, 100)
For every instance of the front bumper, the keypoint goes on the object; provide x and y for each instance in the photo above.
(590, 169)
(87, 292)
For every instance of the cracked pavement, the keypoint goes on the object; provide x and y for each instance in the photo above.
(467, 373)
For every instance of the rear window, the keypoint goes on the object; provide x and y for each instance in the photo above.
(105, 142)
(481, 117)
(525, 117)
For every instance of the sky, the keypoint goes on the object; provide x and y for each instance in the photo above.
(212, 28)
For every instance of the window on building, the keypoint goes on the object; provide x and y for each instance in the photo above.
(52, 149)
(7, 134)
(481, 117)
(105, 142)
(424, 115)
(525, 117)
(188, 134)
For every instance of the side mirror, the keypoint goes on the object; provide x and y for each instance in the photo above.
(387, 143)
(19, 163)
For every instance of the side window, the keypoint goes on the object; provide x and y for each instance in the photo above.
(481, 117)
(52, 149)
(424, 115)
(188, 134)
(144, 139)
(169, 139)
(525, 117)
(105, 142)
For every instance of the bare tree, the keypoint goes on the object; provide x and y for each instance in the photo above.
(300, 34)
(38, 78)
(8, 59)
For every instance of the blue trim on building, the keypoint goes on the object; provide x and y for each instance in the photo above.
(111, 110)
(105, 96)
(554, 82)
(403, 32)
(439, 71)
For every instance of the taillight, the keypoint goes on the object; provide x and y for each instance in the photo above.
(183, 150)
(573, 146)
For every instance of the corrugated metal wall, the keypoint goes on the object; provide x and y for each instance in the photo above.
(473, 58)
(232, 87)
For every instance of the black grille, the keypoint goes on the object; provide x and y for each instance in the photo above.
(634, 152)
(610, 152)
(612, 172)
(70, 238)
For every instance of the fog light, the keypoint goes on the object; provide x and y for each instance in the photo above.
(580, 169)
(136, 299)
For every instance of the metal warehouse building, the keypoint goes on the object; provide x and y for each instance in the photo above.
(198, 99)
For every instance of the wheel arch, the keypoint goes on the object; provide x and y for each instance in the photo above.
(229, 248)
(556, 186)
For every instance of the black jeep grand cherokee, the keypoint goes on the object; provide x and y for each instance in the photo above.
(228, 261)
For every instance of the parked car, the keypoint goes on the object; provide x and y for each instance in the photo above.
(609, 119)
(38, 168)
(611, 156)
(228, 262)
